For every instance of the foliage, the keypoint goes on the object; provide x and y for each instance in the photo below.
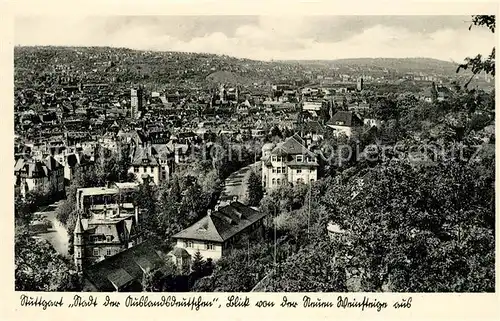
(312, 269)
(255, 190)
(38, 267)
(477, 64)
(160, 280)
(419, 229)
(242, 269)
(198, 263)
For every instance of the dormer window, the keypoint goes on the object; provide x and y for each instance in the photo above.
(300, 158)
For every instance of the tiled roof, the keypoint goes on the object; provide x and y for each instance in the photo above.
(123, 269)
(291, 146)
(144, 153)
(222, 224)
(346, 118)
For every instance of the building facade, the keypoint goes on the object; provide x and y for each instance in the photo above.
(219, 232)
(288, 162)
(104, 235)
(136, 96)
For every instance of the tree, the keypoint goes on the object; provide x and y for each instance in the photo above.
(418, 229)
(153, 281)
(255, 190)
(198, 263)
(38, 267)
(276, 132)
(312, 269)
(478, 64)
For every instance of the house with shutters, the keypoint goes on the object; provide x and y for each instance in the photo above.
(345, 123)
(288, 162)
(44, 175)
(103, 235)
(217, 233)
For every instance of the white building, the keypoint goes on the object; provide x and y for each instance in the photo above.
(288, 162)
(345, 123)
(219, 231)
(155, 161)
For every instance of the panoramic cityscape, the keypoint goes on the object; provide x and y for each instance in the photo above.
(255, 154)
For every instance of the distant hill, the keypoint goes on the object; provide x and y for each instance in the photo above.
(400, 64)
(227, 77)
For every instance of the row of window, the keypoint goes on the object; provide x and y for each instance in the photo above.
(146, 169)
(100, 238)
(96, 252)
(283, 182)
(282, 170)
(278, 181)
(208, 245)
(298, 158)
(279, 170)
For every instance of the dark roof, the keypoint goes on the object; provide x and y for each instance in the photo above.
(222, 224)
(52, 164)
(291, 146)
(144, 156)
(345, 118)
(123, 269)
(31, 168)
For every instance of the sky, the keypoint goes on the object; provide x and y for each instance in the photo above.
(267, 37)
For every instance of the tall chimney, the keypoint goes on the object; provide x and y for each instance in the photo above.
(235, 198)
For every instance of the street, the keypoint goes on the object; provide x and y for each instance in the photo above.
(237, 183)
(56, 234)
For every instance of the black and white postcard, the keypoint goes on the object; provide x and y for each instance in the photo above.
(261, 162)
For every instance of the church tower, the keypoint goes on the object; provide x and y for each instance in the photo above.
(78, 244)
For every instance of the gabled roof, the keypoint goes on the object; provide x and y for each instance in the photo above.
(222, 224)
(291, 146)
(144, 153)
(345, 118)
(123, 269)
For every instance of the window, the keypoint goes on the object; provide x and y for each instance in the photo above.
(312, 180)
(274, 170)
(299, 171)
(209, 246)
(300, 158)
(274, 158)
(78, 254)
(136, 169)
(278, 170)
(188, 243)
(274, 181)
(284, 170)
(96, 251)
(309, 159)
(109, 238)
(279, 181)
(108, 252)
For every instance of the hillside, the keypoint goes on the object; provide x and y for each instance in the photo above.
(227, 77)
(400, 64)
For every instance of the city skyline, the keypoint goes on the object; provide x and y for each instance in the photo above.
(267, 37)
